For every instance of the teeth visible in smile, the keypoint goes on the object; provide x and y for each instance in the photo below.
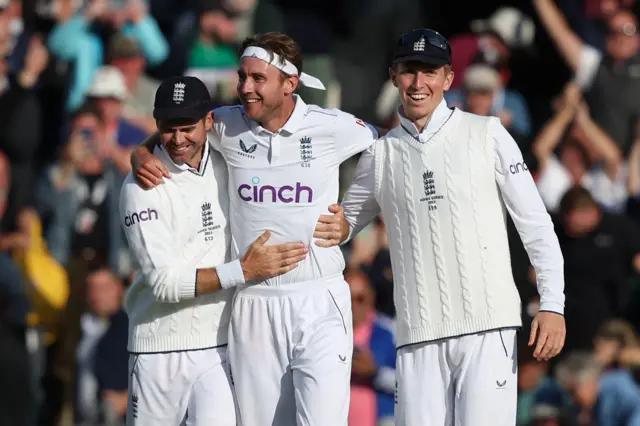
(418, 97)
(251, 101)
(180, 149)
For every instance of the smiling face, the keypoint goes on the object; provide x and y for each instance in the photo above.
(262, 88)
(184, 139)
(421, 87)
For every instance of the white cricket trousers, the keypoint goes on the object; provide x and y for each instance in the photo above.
(191, 388)
(463, 381)
(290, 351)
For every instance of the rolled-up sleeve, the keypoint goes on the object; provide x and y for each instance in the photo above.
(146, 218)
(531, 219)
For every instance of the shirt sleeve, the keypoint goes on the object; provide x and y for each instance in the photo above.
(359, 204)
(352, 136)
(147, 223)
(216, 130)
(531, 219)
(590, 59)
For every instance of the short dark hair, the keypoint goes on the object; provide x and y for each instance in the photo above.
(576, 197)
(278, 43)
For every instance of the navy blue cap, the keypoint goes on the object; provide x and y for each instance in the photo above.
(422, 45)
(181, 98)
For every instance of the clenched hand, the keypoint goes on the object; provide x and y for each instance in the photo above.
(332, 228)
(261, 262)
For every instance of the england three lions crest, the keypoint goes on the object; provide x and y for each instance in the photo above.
(306, 151)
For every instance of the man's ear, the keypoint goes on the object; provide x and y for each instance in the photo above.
(208, 121)
(290, 84)
(448, 80)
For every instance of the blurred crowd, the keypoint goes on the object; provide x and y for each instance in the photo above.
(77, 82)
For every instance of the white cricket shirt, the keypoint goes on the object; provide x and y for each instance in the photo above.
(516, 187)
(284, 181)
(173, 230)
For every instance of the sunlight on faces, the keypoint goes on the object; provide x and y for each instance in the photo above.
(421, 88)
(262, 88)
(184, 139)
(623, 41)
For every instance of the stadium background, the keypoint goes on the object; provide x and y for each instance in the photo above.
(77, 79)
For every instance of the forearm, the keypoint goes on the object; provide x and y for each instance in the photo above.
(594, 136)
(550, 136)
(567, 42)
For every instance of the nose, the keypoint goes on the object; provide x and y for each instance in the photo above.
(179, 137)
(419, 80)
(245, 86)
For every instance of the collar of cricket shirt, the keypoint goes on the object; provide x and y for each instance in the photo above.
(161, 152)
(293, 124)
(440, 115)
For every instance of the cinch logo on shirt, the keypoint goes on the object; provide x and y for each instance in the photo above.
(517, 168)
(270, 194)
(143, 216)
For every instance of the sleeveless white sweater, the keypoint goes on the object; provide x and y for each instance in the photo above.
(447, 231)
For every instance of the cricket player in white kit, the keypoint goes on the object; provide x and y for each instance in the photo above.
(290, 343)
(178, 304)
(444, 180)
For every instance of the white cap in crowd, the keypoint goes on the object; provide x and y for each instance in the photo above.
(108, 82)
(481, 78)
(515, 28)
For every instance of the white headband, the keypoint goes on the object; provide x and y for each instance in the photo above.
(283, 65)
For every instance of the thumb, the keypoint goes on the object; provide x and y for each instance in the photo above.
(334, 208)
(534, 331)
(263, 238)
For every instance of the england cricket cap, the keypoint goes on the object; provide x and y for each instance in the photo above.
(181, 98)
(422, 45)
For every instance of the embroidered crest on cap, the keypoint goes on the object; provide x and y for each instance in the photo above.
(178, 92)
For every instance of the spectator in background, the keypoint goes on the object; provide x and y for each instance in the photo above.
(580, 143)
(109, 93)
(601, 252)
(76, 39)
(598, 398)
(588, 18)
(20, 121)
(213, 56)
(495, 38)
(126, 55)
(374, 358)
(79, 199)
(610, 80)
(484, 93)
(101, 356)
(616, 346)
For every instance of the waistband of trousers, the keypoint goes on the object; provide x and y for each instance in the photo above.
(261, 290)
